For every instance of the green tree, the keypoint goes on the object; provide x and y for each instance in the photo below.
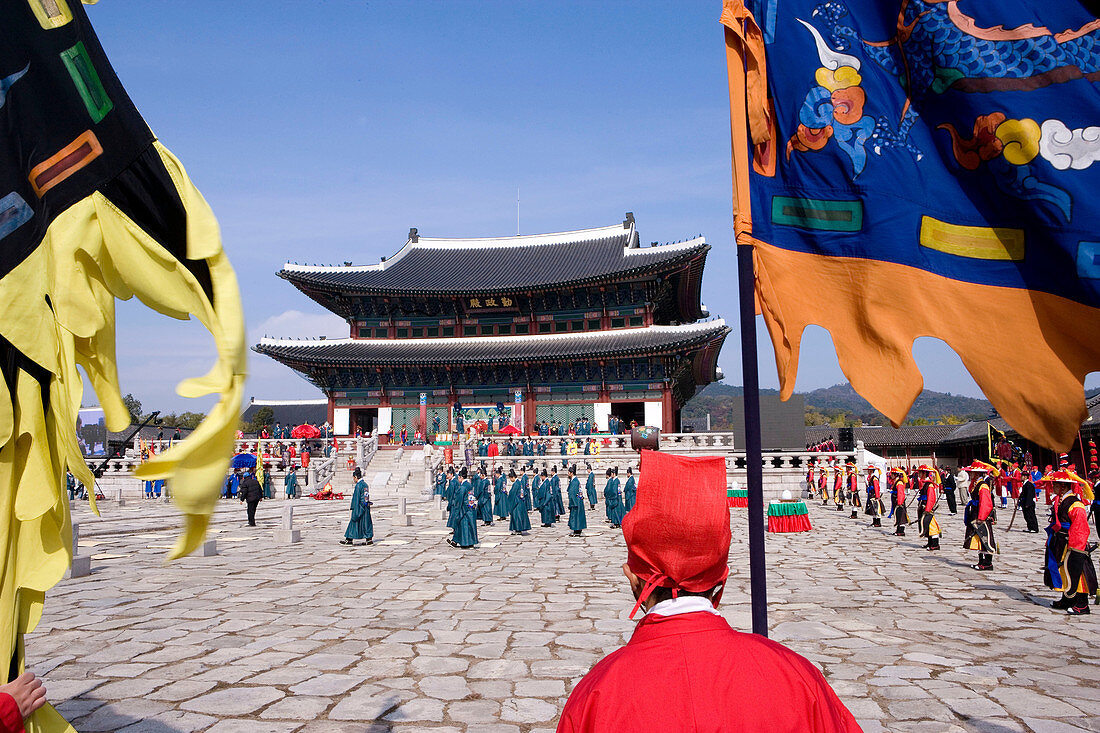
(263, 417)
(133, 406)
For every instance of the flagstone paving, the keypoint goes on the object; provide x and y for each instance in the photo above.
(320, 638)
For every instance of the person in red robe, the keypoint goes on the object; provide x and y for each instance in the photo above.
(930, 491)
(685, 669)
(979, 516)
(901, 511)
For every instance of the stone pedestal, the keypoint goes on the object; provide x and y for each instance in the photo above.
(81, 567)
(286, 534)
(402, 518)
(209, 548)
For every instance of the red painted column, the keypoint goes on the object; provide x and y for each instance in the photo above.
(668, 411)
(529, 411)
(332, 411)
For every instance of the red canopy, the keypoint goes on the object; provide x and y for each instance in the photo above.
(305, 431)
(510, 430)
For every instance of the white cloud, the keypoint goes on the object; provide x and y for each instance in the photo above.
(296, 324)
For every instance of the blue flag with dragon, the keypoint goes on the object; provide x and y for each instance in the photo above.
(928, 168)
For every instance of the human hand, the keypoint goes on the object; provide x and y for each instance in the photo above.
(28, 692)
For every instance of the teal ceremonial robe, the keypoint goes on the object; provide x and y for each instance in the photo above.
(590, 488)
(518, 498)
(465, 524)
(544, 500)
(630, 493)
(500, 498)
(577, 519)
(361, 527)
(484, 500)
(290, 484)
(527, 492)
(614, 502)
(451, 496)
(555, 495)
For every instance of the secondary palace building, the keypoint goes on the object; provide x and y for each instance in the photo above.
(549, 327)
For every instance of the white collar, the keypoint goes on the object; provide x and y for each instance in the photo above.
(683, 604)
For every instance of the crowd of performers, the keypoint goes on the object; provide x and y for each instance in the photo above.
(485, 448)
(1068, 566)
(487, 496)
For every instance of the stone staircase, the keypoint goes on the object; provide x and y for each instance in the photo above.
(390, 474)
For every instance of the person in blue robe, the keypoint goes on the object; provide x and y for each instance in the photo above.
(464, 485)
(269, 490)
(518, 521)
(451, 496)
(630, 491)
(440, 483)
(234, 484)
(590, 486)
(527, 487)
(465, 524)
(500, 495)
(613, 498)
(608, 490)
(536, 490)
(544, 500)
(484, 498)
(290, 483)
(577, 519)
(555, 493)
(361, 527)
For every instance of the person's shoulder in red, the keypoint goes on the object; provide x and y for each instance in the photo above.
(685, 669)
(693, 672)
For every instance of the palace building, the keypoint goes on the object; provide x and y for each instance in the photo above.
(546, 327)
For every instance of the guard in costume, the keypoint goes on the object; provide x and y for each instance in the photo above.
(979, 515)
(874, 507)
(1069, 566)
(851, 480)
(930, 491)
(901, 512)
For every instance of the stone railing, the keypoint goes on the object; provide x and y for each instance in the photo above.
(321, 471)
(675, 442)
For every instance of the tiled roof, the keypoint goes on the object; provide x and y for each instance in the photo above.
(873, 435)
(421, 352)
(290, 412)
(436, 265)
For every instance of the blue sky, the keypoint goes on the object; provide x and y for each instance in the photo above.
(321, 131)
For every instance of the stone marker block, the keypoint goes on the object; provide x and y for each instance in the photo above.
(121, 499)
(81, 567)
(209, 548)
(288, 536)
(402, 519)
(288, 517)
(76, 539)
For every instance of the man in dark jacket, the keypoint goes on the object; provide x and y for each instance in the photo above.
(250, 492)
(949, 489)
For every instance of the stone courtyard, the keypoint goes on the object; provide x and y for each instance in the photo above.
(411, 634)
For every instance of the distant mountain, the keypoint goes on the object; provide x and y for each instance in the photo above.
(930, 404)
(841, 397)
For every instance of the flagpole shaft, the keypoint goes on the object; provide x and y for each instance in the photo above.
(753, 453)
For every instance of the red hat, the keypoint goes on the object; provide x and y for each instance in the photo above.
(678, 533)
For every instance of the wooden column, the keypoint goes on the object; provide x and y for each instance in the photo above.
(668, 411)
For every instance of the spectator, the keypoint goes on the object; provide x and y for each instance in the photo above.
(250, 493)
(684, 666)
(18, 699)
